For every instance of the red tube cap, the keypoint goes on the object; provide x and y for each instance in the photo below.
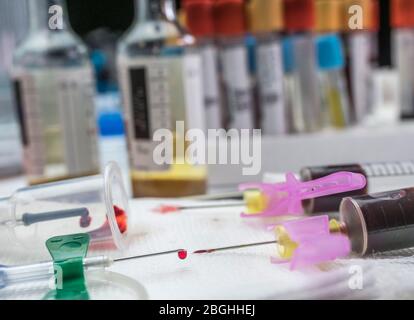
(299, 15)
(402, 13)
(199, 15)
(229, 17)
(375, 20)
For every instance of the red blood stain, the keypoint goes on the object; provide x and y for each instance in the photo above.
(121, 219)
(203, 251)
(165, 209)
(182, 254)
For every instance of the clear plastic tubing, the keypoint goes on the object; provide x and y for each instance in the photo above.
(42, 271)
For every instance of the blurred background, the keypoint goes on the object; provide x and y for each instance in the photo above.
(327, 81)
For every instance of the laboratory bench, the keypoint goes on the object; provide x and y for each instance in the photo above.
(248, 273)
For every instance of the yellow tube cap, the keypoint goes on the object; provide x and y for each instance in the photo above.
(265, 15)
(329, 15)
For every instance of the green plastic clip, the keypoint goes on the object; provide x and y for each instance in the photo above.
(68, 253)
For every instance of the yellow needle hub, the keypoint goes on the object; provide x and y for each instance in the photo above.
(255, 200)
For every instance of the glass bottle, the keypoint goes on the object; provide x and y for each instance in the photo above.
(13, 28)
(54, 95)
(161, 83)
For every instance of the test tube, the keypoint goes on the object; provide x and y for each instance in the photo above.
(332, 80)
(361, 42)
(97, 205)
(379, 222)
(230, 26)
(266, 23)
(200, 23)
(299, 18)
(402, 21)
(292, 100)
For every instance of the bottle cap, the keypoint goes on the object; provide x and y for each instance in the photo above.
(182, 17)
(199, 17)
(329, 17)
(369, 12)
(402, 13)
(299, 15)
(330, 52)
(229, 17)
(265, 15)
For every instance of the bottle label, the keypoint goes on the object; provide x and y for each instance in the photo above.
(238, 86)
(270, 79)
(157, 92)
(55, 109)
(211, 87)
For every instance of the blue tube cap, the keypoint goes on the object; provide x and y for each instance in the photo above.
(111, 123)
(288, 54)
(330, 52)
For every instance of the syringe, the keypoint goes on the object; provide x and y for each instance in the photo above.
(265, 199)
(369, 224)
(369, 170)
(12, 275)
(331, 203)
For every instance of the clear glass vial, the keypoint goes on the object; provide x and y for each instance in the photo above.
(54, 94)
(161, 82)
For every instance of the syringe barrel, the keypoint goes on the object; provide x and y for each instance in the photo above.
(43, 270)
(380, 222)
(329, 203)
